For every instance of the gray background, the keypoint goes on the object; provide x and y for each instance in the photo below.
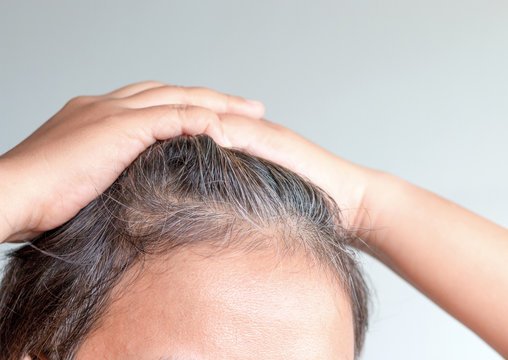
(419, 89)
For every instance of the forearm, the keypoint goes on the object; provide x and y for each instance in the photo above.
(455, 257)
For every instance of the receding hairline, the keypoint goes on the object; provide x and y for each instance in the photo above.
(302, 284)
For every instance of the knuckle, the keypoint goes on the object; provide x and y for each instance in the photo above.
(180, 107)
(175, 87)
(78, 100)
(154, 83)
(229, 100)
(105, 104)
(181, 113)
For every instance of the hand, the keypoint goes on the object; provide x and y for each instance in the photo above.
(346, 182)
(80, 151)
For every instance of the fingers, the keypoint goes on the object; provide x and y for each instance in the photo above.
(132, 89)
(239, 129)
(196, 96)
(154, 93)
(249, 134)
(165, 121)
(158, 111)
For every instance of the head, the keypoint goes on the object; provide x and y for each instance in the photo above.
(195, 252)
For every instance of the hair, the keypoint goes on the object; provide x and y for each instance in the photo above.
(179, 192)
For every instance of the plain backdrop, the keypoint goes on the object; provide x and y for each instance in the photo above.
(418, 89)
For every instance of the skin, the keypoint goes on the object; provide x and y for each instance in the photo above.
(227, 306)
(84, 147)
(452, 255)
(455, 257)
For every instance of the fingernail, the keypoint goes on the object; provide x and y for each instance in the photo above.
(254, 102)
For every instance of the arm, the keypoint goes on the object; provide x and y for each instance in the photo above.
(79, 152)
(456, 258)
(6, 204)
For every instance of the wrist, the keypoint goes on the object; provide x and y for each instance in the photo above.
(6, 227)
(379, 199)
(12, 210)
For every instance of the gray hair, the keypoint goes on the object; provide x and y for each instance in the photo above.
(182, 191)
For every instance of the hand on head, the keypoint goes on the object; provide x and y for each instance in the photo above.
(78, 154)
(81, 150)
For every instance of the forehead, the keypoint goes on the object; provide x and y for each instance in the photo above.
(230, 306)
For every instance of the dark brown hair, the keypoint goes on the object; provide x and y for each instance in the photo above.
(178, 192)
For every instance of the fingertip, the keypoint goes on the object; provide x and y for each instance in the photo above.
(221, 137)
(254, 102)
(226, 142)
(258, 106)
